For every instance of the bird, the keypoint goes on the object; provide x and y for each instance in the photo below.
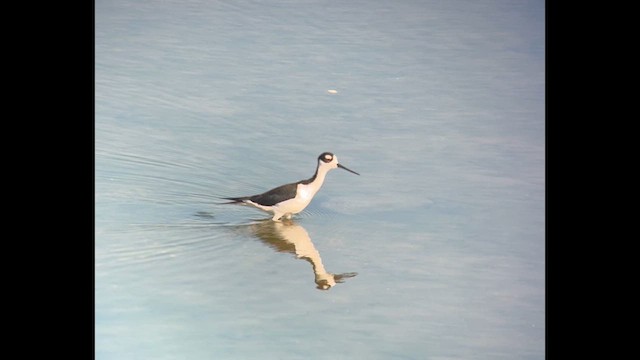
(289, 199)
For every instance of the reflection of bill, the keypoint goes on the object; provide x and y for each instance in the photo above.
(290, 237)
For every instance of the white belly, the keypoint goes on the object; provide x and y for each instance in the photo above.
(303, 197)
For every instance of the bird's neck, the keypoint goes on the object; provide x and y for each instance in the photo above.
(317, 179)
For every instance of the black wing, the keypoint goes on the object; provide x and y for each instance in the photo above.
(274, 196)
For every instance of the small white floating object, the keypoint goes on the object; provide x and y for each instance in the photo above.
(332, 91)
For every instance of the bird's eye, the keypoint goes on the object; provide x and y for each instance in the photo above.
(328, 157)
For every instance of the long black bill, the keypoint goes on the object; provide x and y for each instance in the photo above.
(349, 170)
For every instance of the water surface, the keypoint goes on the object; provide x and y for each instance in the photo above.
(435, 252)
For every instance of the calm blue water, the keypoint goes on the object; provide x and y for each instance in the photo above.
(439, 105)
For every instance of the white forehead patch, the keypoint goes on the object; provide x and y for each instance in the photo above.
(328, 157)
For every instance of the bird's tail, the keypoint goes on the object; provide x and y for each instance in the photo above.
(234, 200)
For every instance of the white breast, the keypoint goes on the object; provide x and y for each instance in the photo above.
(304, 194)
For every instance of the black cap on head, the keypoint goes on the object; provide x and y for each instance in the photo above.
(326, 157)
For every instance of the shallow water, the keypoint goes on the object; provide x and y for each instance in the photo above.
(440, 242)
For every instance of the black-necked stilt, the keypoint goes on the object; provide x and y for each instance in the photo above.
(290, 199)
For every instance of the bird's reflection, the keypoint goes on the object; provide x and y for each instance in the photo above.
(287, 236)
